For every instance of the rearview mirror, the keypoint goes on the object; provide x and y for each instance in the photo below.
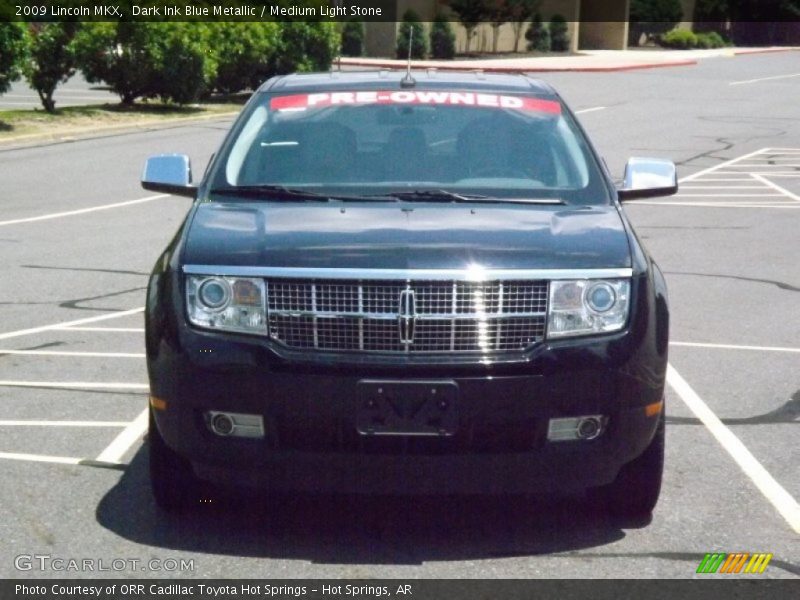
(170, 174)
(648, 178)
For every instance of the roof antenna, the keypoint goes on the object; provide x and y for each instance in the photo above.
(408, 80)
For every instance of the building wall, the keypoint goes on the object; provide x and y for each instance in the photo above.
(585, 30)
(598, 33)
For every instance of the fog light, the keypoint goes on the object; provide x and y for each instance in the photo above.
(236, 424)
(588, 427)
(221, 424)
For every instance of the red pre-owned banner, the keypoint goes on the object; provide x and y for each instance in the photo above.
(438, 98)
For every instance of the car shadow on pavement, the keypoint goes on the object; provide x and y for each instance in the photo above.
(351, 529)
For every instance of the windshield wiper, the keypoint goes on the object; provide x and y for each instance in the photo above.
(261, 191)
(279, 191)
(445, 196)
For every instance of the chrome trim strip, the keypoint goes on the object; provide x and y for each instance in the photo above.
(419, 316)
(469, 274)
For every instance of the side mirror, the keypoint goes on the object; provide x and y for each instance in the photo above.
(648, 178)
(170, 174)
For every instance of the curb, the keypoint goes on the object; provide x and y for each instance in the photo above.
(31, 140)
(632, 66)
(746, 51)
(533, 69)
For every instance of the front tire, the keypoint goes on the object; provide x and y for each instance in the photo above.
(174, 485)
(635, 491)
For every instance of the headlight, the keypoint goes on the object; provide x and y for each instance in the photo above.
(227, 303)
(587, 306)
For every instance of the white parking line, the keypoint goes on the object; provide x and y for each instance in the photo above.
(117, 329)
(727, 196)
(721, 165)
(722, 187)
(75, 354)
(81, 385)
(588, 110)
(773, 78)
(776, 187)
(33, 330)
(783, 502)
(83, 211)
(64, 424)
(125, 440)
(63, 460)
(736, 347)
(784, 205)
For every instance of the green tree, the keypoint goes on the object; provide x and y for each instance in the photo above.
(245, 54)
(305, 46)
(499, 15)
(559, 34)
(52, 59)
(470, 14)
(419, 48)
(13, 53)
(521, 12)
(538, 35)
(188, 66)
(652, 17)
(125, 55)
(443, 40)
(353, 38)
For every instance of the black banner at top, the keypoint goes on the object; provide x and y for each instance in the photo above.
(776, 12)
(199, 10)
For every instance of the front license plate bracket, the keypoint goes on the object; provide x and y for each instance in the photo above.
(412, 408)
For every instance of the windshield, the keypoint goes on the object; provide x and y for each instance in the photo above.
(370, 143)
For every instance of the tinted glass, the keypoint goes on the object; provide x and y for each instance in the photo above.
(373, 142)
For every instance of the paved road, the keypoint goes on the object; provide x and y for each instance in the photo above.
(75, 92)
(728, 244)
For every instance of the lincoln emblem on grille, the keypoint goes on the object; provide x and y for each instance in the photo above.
(407, 316)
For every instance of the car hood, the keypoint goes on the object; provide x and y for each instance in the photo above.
(406, 236)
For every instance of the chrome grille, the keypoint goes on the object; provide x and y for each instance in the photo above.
(369, 316)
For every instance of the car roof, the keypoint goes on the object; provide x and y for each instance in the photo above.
(425, 79)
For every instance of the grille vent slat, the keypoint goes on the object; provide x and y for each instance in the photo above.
(449, 316)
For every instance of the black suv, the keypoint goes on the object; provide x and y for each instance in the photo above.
(407, 283)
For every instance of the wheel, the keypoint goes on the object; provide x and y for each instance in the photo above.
(635, 491)
(174, 485)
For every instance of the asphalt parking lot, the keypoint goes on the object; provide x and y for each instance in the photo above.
(78, 238)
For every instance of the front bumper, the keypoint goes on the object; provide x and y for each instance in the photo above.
(311, 440)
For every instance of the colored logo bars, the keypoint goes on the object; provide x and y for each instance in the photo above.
(734, 563)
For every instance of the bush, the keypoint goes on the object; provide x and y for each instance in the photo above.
(353, 38)
(419, 47)
(305, 46)
(682, 39)
(559, 34)
(124, 55)
(538, 35)
(13, 52)
(188, 66)
(245, 54)
(652, 17)
(443, 40)
(710, 39)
